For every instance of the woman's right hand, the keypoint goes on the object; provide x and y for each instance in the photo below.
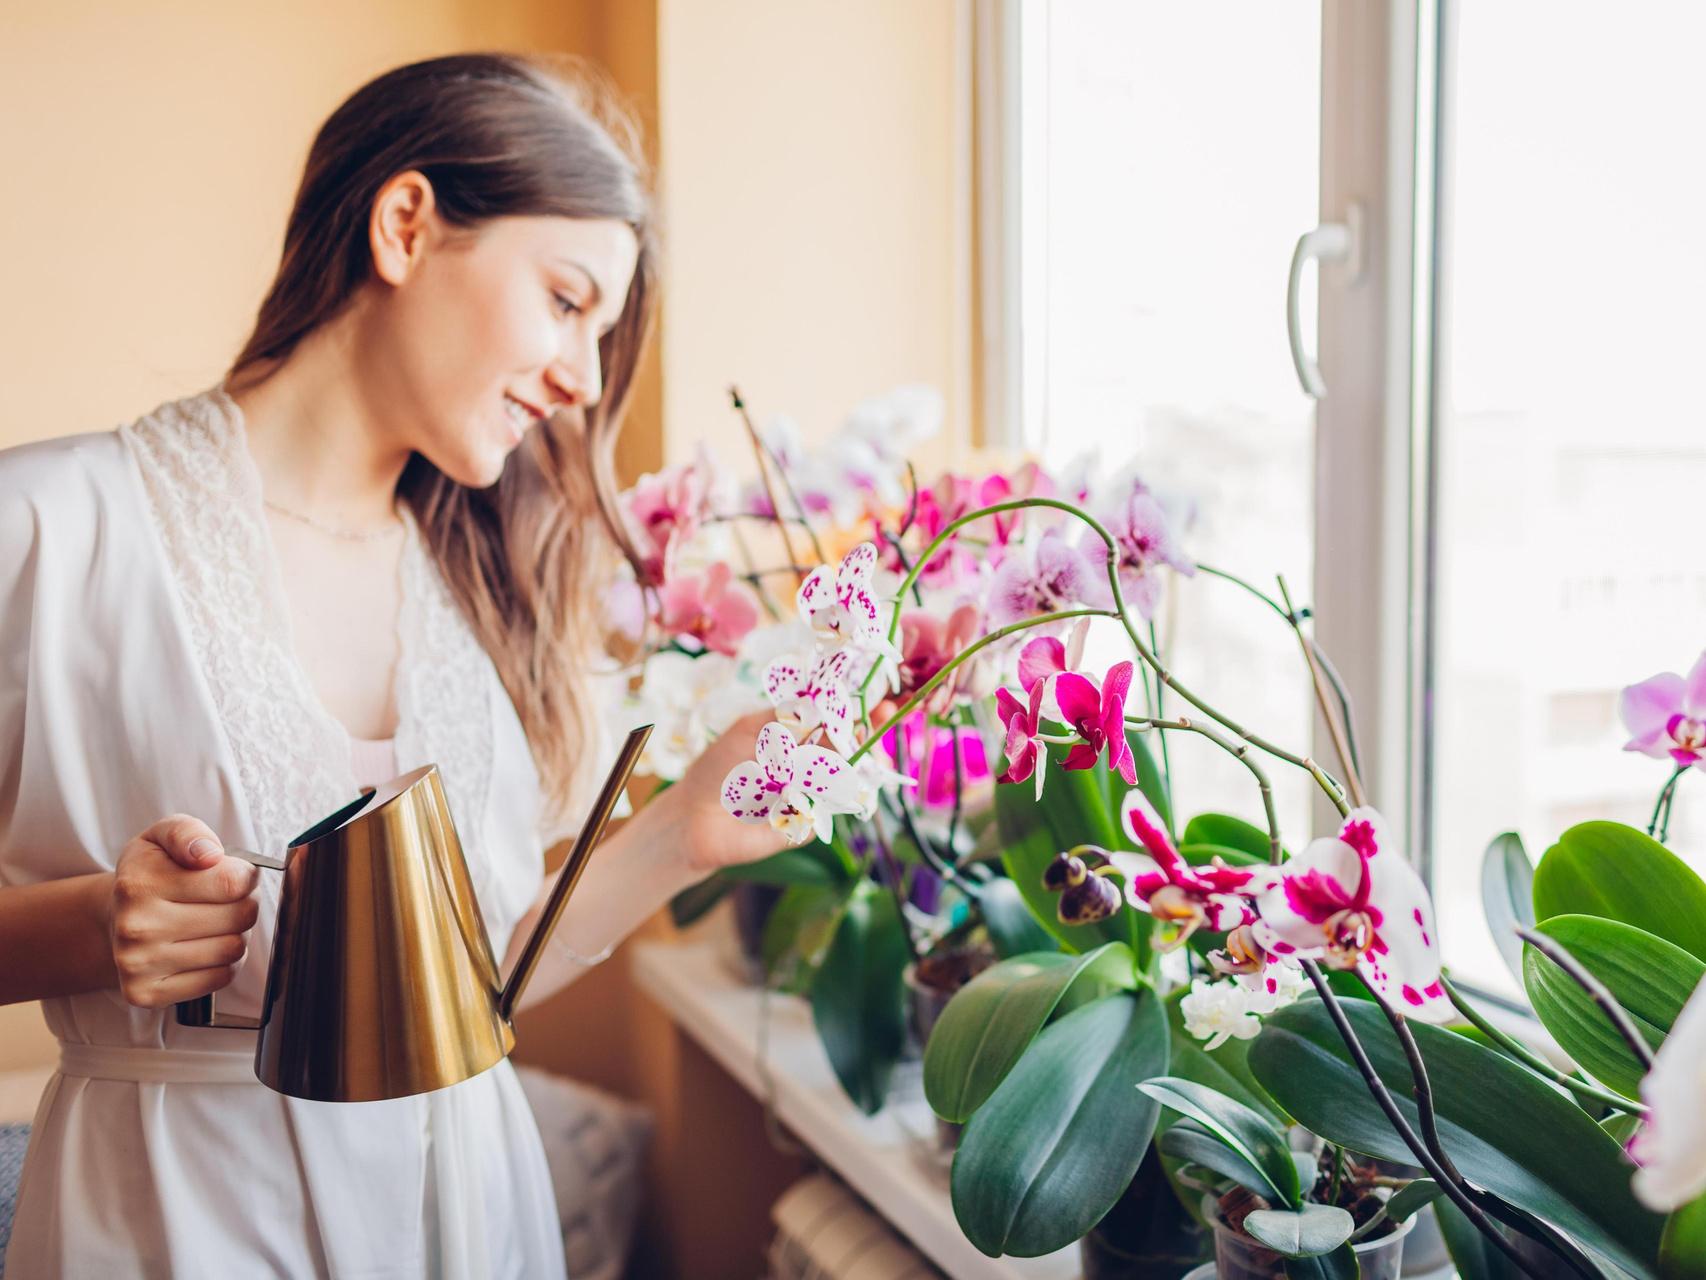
(180, 909)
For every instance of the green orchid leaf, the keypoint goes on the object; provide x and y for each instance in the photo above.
(1225, 1070)
(694, 901)
(1307, 1232)
(1682, 1252)
(993, 1019)
(1611, 870)
(1508, 1130)
(1248, 1132)
(816, 863)
(1411, 1198)
(1188, 1140)
(798, 931)
(1012, 927)
(1201, 854)
(1472, 1253)
(858, 998)
(1507, 895)
(1060, 1139)
(1651, 978)
(1223, 831)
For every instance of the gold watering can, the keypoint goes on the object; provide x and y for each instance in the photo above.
(382, 981)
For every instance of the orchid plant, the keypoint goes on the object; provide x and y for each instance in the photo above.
(938, 728)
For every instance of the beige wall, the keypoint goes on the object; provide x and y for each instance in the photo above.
(812, 224)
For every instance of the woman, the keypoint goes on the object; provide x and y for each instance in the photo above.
(377, 543)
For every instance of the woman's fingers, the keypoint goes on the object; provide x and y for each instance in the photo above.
(226, 880)
(187, 841)
(186, 922)
(183, 986)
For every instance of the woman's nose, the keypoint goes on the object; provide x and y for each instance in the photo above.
(576, 373)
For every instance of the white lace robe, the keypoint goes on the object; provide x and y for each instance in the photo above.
(146, 668)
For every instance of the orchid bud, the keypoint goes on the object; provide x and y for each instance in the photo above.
(1094, 898)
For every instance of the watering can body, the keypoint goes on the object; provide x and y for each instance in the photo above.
(382, 981)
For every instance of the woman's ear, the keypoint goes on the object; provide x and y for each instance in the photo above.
(397, 231)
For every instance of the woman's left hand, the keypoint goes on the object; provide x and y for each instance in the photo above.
(710, 837)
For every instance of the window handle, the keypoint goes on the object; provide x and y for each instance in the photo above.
(1329, 242)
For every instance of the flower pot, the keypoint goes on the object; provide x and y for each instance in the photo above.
(753, 904)
(1238, 1257)
(1424, 1251)
(930, 984)
(1147, 1234)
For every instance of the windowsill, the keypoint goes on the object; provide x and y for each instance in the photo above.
(886, 1158)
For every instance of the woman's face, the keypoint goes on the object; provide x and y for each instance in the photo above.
(486, 331)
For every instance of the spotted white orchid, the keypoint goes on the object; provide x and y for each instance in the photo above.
(1671, 1146)
(1353, 901)
(796, 789)
(812, 690)
(841, 606)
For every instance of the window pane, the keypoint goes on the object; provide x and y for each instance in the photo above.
(1572, 443)
(1178, 163)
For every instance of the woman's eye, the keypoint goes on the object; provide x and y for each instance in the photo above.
(565, 306)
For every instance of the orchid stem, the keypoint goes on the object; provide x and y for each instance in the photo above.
(1533, 1061)
(1122, 613)
(929, 686)
(1596, 990)
(1662, 808)
(1161, 713)
(1395, 1117)
(762, 451)
(1238, 751)
(1353, 781)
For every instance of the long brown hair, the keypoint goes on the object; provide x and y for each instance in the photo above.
(496, 135)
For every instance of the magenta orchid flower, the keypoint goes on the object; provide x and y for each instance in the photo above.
(1354, 901)
(796, 789)
(840, 605)
(1026, 753)
(929, 758)
(812, 691)
(709, 609)
(1144, 543)
(1667, 716)
(1183, 897)
(1057, 576)
(1097, 716)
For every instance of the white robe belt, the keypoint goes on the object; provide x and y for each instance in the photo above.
(156, 1066)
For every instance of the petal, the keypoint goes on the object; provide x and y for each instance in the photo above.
(1078, 698)
(856, 568)
(1694, 690)
(1007, 707)
(784, 679)
(816, 592)
(1427, 1002)
(1672, 1147)
(1650, 704)
(776, 753)
(1114, 689)
(745, 795)
(825, 776)
(1043, 657)
(1143, 876)
(1407, 940)
(1075, 643)
(1082, 756)
(1143, 824)
(1312, 886)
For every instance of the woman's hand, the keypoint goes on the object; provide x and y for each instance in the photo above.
(709, 837)
(180, 909)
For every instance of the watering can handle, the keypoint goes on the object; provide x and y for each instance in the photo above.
(199, 1012)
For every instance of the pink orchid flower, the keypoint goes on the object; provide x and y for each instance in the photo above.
(840, 605)
(665, 509)
(1667, 716)
(1026, 754)
(1058, 576)
(929, 758)
(795, 789)
(812, 691)
(1354, 901)
(710, 609)
(1144, 543)
(927, 644)
(1183, 897)
(1097, 716)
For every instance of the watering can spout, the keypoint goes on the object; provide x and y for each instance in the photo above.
(592, 830)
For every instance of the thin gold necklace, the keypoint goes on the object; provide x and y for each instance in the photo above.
(348, 535)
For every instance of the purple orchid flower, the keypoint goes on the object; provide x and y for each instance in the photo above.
(1144, 543)
(1667, 716)
(1058, 576)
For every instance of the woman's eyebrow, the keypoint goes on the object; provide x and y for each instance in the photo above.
(592, 280)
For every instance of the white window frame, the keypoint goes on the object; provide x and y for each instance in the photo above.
(1383, 114)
